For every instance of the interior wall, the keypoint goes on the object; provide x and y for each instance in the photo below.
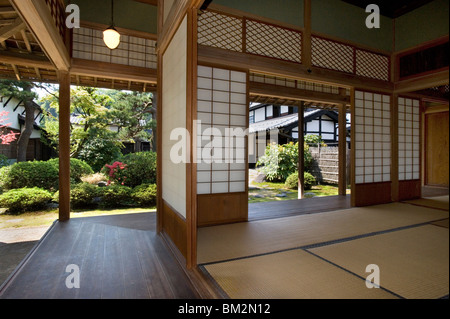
(287, 11)
(415, 28)
(348, 22)
(131, 15)
(174, 90)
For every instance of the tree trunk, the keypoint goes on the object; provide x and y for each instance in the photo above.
(24, 138)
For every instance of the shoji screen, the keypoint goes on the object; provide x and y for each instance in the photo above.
(408, 148)
(373, 138)
(221, 162)
(408, 139)
(222, 104)
(372, 148)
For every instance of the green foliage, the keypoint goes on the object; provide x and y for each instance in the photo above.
(89, 107)
(30, 174)
(292, 181)
(3, 161)
(280, 161)
(139, 168)
(99, 151)
(145, 195)
(115, 196)
(82, 195)
(78, 168)
(25, 200)
(42, 174)
(133, 113)
(314, 139)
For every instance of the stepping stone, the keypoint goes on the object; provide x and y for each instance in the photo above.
(281, 195)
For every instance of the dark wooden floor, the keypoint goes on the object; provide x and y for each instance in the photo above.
(278, 209)
(118, 257)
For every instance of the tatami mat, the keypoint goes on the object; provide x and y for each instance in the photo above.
(440, 202)
(227, 242)
(293, 274)
(413, 263)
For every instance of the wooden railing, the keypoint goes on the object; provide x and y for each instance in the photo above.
(261, 38)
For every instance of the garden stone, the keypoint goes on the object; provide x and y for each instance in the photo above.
(281, 195)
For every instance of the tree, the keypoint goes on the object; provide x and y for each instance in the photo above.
(134, 114)
(23, 91)
(89, 119)
(5, 137)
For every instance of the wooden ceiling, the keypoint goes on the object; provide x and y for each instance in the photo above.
(391, 8)
(22, 58)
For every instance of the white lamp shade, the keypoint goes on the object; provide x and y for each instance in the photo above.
(111, 38)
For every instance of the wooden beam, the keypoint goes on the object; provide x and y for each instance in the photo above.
(151, 2)
(38, 17)
(175, 17)
(281, 92)
(16, 72)
(8, 31)
(30, 60)
(306, 36)
(191, 167)
(259, 64)
(113, 71)
(64, 145)
(7, 10)
(26, 40)
(422, 82)
(343, 149)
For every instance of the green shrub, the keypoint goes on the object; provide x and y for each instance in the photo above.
(292, 181)
(116, 196)
(139, 168)
(81, 195)
(41, 174)
(78, 168)
(25, 200)
(280, 161)
(145, 195)
(30, 174)
(98, 152)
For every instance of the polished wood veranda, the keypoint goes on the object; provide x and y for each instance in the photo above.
(119, 257)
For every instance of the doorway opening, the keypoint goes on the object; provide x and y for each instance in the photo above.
(280, 111)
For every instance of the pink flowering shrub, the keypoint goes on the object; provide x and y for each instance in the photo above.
(116, 173)
(6, 138)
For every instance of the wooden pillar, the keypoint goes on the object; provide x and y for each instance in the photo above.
(342, 150)
(342, 122)
(306, 38)
(64, 145)
(301, 151)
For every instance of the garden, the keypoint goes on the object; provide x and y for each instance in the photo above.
(128, 182)
(279, 168)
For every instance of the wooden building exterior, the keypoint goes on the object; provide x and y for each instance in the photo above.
(210, 59)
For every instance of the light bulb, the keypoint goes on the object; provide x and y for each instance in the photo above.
(111, 38)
